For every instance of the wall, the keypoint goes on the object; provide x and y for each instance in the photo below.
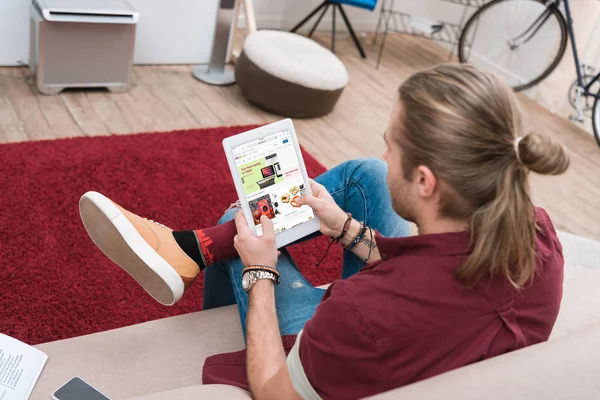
(284, 14)
(14, 31)
(182, 32)
(178, 33)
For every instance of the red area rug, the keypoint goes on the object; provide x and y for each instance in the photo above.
(54, 283)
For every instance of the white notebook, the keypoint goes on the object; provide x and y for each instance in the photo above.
(20, 368)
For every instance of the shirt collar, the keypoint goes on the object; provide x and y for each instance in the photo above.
(437, 244)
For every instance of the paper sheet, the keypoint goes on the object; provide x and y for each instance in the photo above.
(20, 368)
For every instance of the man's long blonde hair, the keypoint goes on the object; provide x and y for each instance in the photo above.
(465, 125)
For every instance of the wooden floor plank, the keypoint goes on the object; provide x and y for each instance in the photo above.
(203, 115)
(104, 105)
(159, 86)
(155, 115)
(83, 113)
(26, 106)
(54, 110)
(11, 126)
(135, 114)
(181, 95)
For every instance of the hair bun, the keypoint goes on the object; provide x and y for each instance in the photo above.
(541, 154)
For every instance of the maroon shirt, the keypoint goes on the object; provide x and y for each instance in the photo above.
(407, 318)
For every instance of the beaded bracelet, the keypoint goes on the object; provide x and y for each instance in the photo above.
(344, 229)
(371, 246)
(256, 267)
(361, 233)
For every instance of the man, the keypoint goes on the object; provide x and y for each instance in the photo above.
(483, 277)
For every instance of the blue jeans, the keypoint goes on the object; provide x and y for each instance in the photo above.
(358, 187)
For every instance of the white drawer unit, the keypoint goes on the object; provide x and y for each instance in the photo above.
(82, 43)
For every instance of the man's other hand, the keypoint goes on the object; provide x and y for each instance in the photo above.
(331, 215)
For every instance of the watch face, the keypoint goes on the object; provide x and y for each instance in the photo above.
(246, 281)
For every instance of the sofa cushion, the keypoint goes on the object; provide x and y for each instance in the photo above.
(199, 392)
(142, 359)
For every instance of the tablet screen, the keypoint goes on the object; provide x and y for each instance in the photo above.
(272, 180)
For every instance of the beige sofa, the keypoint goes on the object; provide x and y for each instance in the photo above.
(162, 360)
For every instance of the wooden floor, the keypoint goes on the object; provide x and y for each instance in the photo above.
(166, 98)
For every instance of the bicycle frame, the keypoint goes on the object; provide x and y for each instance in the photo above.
(586, 87)
(551, 6)
(537, 24)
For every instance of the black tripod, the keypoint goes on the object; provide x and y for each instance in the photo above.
(324, 6)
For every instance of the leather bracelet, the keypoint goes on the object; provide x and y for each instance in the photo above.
(344, 228)
(255, 267)
(371, 246)
(357, 238)
(336, 240)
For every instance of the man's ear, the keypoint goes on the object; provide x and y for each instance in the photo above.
(426, 182)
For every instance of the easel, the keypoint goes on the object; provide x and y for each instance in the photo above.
(250, 20)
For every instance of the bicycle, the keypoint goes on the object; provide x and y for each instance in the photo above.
(523, 41)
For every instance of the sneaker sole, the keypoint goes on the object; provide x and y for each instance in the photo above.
(116, 237)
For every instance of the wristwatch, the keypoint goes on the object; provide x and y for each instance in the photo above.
(251, 277)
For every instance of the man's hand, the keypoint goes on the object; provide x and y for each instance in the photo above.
(331, 215)
(255, 250)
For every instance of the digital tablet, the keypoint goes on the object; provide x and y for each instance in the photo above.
(269, 176)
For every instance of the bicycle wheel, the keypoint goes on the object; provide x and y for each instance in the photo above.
(496, 38)
(596, 120)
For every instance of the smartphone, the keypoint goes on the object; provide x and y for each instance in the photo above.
(78, 389)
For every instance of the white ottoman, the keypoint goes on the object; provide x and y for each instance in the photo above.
(289, 74)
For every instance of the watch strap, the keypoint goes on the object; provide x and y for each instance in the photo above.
(256, 275)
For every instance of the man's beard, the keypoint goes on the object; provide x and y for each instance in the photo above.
(402, 201)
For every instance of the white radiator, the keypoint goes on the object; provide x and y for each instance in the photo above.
(82, 43)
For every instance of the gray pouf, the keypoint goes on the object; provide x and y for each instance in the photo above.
(289, 74)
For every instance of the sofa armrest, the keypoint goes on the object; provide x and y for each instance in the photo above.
(580, 305)
(580, 252)
(566, 369)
